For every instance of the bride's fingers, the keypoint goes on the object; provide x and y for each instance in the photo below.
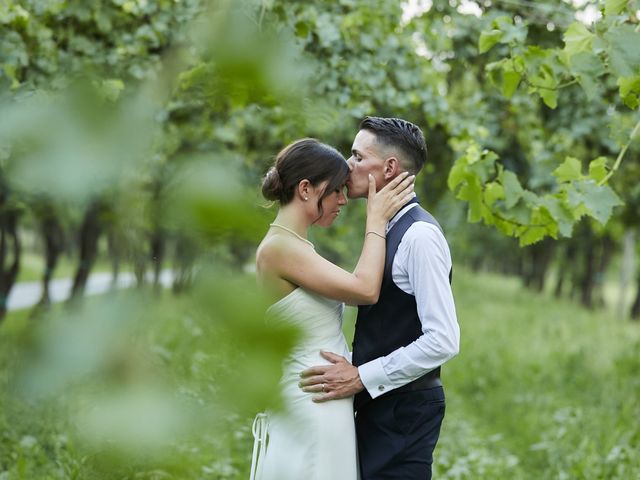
(396, 181)
(408, 182)
(372, 186)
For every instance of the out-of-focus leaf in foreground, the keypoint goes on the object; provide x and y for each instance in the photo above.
(207, 198)
(255, 347)
(77, 144)
(136, 374)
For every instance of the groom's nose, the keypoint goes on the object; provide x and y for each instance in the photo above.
(350, 164)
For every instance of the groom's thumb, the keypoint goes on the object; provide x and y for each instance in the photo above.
(332, 357)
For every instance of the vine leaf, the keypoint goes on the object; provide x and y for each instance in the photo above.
(614, 7)
(560, 212)
(577, 39)
(488, 39)
(570, 170)
(587, 67)
(624, 54)
(598, 169)
(597, 201)
(513, 191)
(630, 90)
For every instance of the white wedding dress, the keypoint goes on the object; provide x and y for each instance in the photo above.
(307, 440)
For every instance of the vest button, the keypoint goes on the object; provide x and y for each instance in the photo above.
(381, 388)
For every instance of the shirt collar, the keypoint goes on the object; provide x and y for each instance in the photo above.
(401, 212)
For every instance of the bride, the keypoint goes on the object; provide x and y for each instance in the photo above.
(316, 440)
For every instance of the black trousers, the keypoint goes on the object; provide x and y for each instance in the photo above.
(397, 434)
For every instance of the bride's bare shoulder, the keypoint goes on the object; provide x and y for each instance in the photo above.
(273, 247)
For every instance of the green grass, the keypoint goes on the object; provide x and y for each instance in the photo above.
(541, 389)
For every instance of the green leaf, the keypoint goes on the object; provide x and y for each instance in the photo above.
(472, 193)
(628, 85)
(560, 212)
(510, 82)
(570, 170)
(598, 169)
(493, 192)
(488, 39)
(473, 153)
(630, 90)
(541, 225)
(532, 235)
(512, 189)
(597, 200)
(624, 54)
(513, 33)
(587, 67)
(614, 7)
(302, 29)
(457, 174)
(519, 213)
(549, 97)
(577, 39)
(484, 165)
(112, 88)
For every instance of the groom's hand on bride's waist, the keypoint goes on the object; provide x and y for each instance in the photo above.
(331, 382)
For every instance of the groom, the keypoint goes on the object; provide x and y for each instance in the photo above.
(401, 341)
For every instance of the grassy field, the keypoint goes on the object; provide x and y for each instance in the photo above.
(541, 389)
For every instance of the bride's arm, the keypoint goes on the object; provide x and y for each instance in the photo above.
(294, 261)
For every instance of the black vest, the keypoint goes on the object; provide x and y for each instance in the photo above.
(393, 322)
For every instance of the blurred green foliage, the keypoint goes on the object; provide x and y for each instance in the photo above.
(159, 117)
(539, 390)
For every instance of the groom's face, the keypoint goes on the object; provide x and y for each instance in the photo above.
(365, 159)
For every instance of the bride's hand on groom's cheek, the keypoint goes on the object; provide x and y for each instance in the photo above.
(331, 382)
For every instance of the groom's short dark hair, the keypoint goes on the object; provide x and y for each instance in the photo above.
(401, 135)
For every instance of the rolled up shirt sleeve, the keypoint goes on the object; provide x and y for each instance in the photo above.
(421, 268)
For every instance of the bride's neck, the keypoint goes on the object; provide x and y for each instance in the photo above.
(292, 218)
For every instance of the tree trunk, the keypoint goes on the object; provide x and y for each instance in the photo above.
(537, 261)
(587, 280)
(9, 268)
(115, 255)
(53, 237)
(158, 244)
(183, 266)
(566, 262)
(605, 251)
(627, 270)
(635, 307)
(90, 232)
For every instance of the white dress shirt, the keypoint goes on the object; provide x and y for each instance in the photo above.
(421, 268)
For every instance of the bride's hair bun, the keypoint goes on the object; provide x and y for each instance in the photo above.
(272, 185)
(308, 159)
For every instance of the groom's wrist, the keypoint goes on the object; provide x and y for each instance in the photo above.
(374, 379)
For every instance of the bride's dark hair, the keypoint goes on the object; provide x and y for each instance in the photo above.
(305, 159)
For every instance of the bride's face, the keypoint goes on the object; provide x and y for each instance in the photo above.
(331, 205)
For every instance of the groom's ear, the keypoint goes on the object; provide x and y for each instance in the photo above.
(391, 168)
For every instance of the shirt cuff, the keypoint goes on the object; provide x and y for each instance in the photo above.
(374, 378)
